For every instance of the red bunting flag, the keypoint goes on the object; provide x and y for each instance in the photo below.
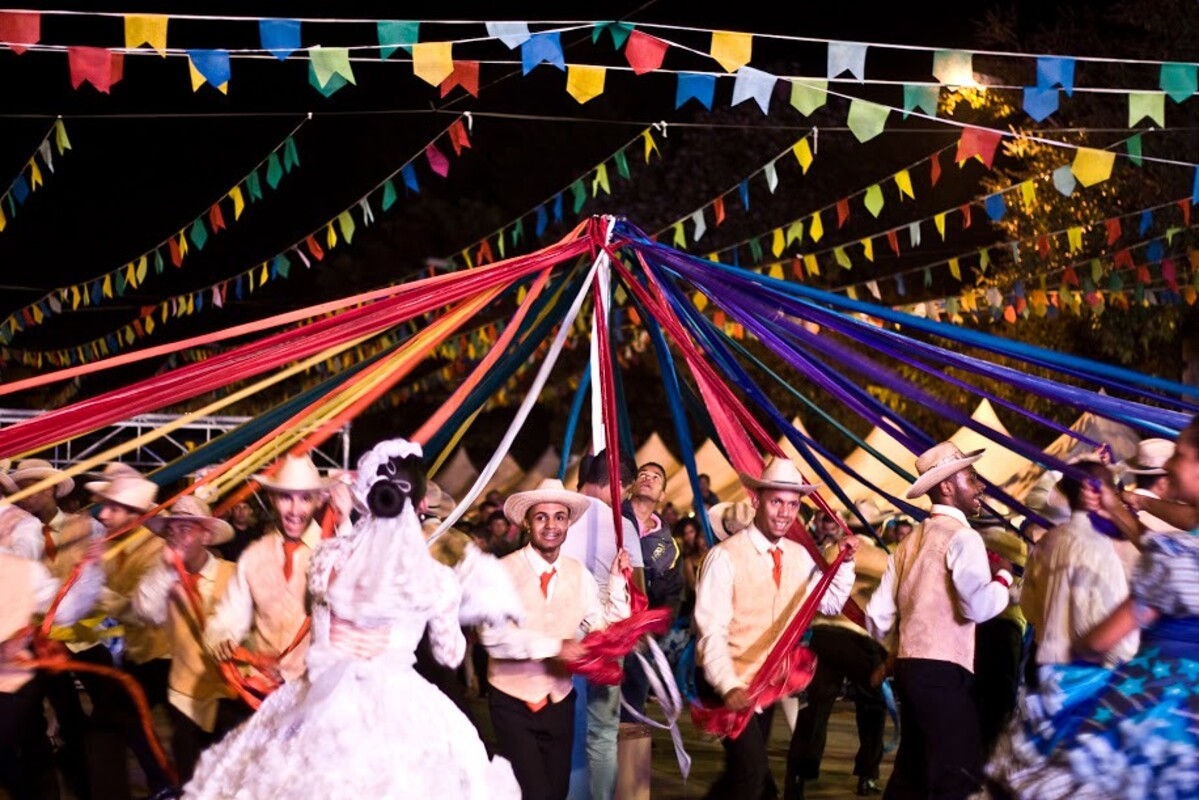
(20, 29)
(466, 75)
(893, 240)
(842, 211)
(1122, 259)
(458, 137)
(1043, 245)
(644, 53)
(978, 142)
(1185, 205)
(314, 247)
(934, 173)
(100, 67)
(718, 209)
(1113, 231)
(215, 218)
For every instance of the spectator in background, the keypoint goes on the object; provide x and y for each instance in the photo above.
(502, 537)
(246, 528)
(669, 514)
(709, 497)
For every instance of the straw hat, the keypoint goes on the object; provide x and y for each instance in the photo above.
(1045, 499)
(127, 490)
(1151, 457)
(39, 468)
(192, 509)
(869, 511)
(938, 463)
(549, 490)
(111, 470)
(782, 475)
(728, 518)
(438, 501)
(295, 474)
(7, 485)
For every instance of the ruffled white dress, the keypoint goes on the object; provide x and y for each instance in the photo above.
(362, 722)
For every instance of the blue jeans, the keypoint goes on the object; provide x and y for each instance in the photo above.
(602, 725)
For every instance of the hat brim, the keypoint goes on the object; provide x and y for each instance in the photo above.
(928, 480)
(518, 505)
(61, 489)
(758, 485)
(101, 489)
(221, 531)
(271, 485)
(1134, 469)
(716, 519)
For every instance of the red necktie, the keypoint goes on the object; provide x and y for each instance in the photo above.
(48, 540)
(289, 549)
(777, 554)
(192, 579)
(546, 577)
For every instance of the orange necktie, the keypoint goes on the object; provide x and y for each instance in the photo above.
(289, 549)
(546, 577)
(48, 540)
(777, 554)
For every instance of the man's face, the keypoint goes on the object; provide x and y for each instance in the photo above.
(242, 515)
(827, 529)
(295, 510)
(498, 527)
(41, 504)
(704, 483)
(650, 484)
(902, 529)
(967, 491)
(114, 516)
(188, 539)
(547, 523)
(776, 510)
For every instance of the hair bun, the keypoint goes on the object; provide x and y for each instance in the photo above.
(386, 499)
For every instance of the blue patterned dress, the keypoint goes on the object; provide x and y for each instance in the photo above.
(1128, 732)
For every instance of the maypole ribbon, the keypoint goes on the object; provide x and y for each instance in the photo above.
(788, 669)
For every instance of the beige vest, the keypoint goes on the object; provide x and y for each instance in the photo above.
(72, 541)
(870, 562)
(193, 672)
(18, 603)
(560, 617)
(123, 572)
(929, 624)
(280, 605)
(761, 610)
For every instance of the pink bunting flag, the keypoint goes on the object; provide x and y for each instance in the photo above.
(466, 75)
(978, 142)
(98, 66)
(437, 160)
(20, 29)
(644, 53)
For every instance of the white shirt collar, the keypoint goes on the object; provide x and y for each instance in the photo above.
(950, 511)
(759, 540)
(538, 563)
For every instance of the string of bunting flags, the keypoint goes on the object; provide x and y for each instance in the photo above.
(30, 178)
(308, 249)
(280, 161)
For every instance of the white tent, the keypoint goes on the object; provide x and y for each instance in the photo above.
(546, 466)
(711, 462)
(654, 449)
(457, 474)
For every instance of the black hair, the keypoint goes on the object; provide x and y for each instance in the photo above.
(654, 464)
(494, 515)
(1147, 481)
(598, 472)
(1071, 484)
(403, 478)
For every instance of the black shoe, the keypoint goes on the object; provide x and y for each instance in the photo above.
(868, 786)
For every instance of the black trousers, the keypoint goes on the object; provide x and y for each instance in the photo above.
(26, 760)
(536, 743)
(841, 654)
(998, 648)
(938, 757)
(189, 740)
(746, 774)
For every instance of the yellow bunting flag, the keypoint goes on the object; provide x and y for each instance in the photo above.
(795, 232)
(650, 145)
(35, 174)
(939, 222)
(106, 289)
(1028, 193)
(433, 62)
(811, 264)
(903, 180)
(329, 61)
(731, 50)
(148, 29)
(680, 238)
(803, 154)
(1074, 237)
(842, 257)
(60, 136)
(816, 228)
(600, 181)
(239, 202)
(3, 221)
(199, 80)
(700, 300)
(584, 82)
(330, 236)
(1092, 166)
(776, 271)
(868, 249)
(778, 242)
(955, 269)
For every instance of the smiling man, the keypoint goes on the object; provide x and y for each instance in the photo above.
(532, 700)
(750, 587)
(937, 586)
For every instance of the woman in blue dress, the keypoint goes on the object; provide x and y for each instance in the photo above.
(1132, 731)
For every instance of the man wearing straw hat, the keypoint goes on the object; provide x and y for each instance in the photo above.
(20, 531)
(64, 537)
(532, 699)
(1152, 484)
(266, 602)
(750, 587)
(199, 699)
(123, 501)
(937, 586)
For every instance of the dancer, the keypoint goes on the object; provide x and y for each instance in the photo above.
(1130, 731)
(361, 722)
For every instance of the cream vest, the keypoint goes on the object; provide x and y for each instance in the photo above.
(193, 672)
(280, 605)
(929, 623)
(560, 617)
(18, 603)
(123, 573)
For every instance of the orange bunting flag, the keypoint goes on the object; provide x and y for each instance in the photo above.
(731, 50)
(458, 137)
(978, 142)
(466, 75)
(98, 66)
(644, 53)
(842, 211)
(934, 173)
(718, 209)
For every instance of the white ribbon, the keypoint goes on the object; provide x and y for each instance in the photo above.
(666, 690)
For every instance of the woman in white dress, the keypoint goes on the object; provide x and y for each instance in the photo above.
(362, 722)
